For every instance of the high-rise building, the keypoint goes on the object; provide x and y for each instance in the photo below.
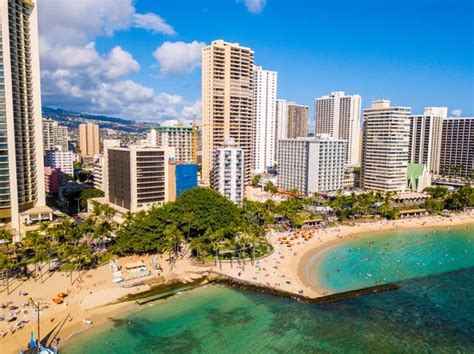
(281, 123)
(385, 147)
(21, 140)
(297, 120)
(54, 135)
(103, 171)
(98, 172)
(89, 139)
(138, 177)
(182, 176)
(228, 171)
(265, 85)
(311, 165)
(425, 138)
(62, 159)
(281, 119)
(174, 134)
(457, 147)
(339, 116)
(227, 102)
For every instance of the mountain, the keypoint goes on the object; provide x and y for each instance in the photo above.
(73, 119)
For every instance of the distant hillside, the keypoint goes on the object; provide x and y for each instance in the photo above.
(73, 119)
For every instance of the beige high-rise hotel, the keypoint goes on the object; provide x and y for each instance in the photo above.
(22, 187)
(227, 102)
(89, 139)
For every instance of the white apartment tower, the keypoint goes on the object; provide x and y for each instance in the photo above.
(311, 165)
(385, 147)
(54, 135)
(426, 136)
(62, 159)
(339, 116)
(228, 171)
(265, 85)
(174, 134)
(21, 141)
(227, 102)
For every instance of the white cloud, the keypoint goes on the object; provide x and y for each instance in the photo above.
(192, 111)
(119, 63)
(179, 57)
(78, 77)
(255, 6)
(81, 21)
(153, 22)
(456, 112)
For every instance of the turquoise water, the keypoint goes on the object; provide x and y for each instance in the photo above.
(392, 257)
(432, 314)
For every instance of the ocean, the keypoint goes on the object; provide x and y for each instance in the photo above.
(430, 313)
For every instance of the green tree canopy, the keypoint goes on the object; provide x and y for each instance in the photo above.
(87, 194)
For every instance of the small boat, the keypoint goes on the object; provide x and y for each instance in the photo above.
(87, 321)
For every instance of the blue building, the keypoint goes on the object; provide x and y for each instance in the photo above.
(186, 177)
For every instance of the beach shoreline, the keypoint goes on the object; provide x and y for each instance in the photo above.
(284, 270)
(366, 230)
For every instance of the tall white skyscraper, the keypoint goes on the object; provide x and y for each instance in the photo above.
(339, 116)
(281, 119)
(22, 184)
(385, 147)
(265, 85)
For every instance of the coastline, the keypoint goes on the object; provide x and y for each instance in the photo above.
(363, 230)
(96, 297)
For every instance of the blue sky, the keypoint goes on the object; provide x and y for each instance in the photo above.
(416, 53)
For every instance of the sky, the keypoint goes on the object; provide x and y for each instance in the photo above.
(141, 59)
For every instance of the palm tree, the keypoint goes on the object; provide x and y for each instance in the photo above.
(35, 241)
(197, 245)
(6, 265)
(174, 238)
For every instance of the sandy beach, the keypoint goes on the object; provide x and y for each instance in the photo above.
(93, 295)
(286, 268)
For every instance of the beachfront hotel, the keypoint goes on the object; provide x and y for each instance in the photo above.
(425, 138)
(339, 116)
(457, 147)
(228, 171)
(265, 85)
(22, 185)
(311, 165)
(227, 102)
(137, 177)
(386, 136)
